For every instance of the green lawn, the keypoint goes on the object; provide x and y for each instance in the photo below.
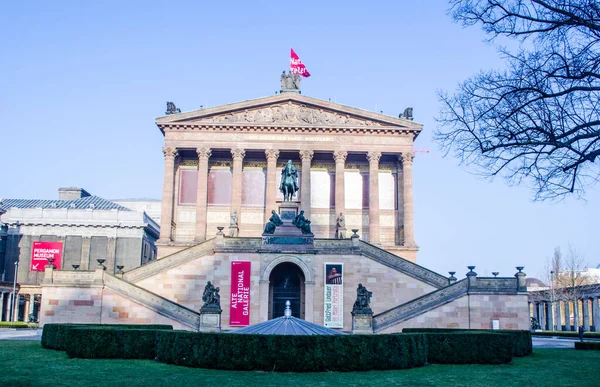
(26, 363)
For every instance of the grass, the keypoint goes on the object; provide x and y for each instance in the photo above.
(26, 363)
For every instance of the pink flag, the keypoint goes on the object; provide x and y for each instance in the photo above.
(296, 65)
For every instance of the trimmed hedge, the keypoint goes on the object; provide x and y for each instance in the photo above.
(521, 339)
(54, 336)
(469, 348)
(114, 343)
(588, 345)
(291, 353)
(17, 325)
(590, 335)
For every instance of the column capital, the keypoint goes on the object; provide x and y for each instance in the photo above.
(169, 152)
(407, 157)
(272, 154)
(340, 156)
(203, 153)
(306, 155)
(373, 157)
(238, 153)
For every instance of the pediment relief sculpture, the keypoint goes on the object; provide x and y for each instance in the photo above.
(290, 114)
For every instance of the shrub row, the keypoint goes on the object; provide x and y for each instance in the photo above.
(521, 339)
(468, 348)
(17, 324)
(54, 336)
(114, 343)
(282, 353)
(291, 353)
(589, 345)
(566, 334)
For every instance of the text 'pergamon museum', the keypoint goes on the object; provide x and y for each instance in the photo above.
(276, 199)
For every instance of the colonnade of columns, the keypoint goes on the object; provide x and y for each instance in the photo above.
(6, 303)
(550, 315)
(306, 156)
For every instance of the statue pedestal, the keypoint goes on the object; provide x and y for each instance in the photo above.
(362, 323)
(210, 320)
(288, 237)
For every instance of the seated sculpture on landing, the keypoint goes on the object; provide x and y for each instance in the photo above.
(272, 224)
(302, 223)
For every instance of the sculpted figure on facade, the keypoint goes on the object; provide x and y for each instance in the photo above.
(171, 109)
(289, 181)
(211, 297)
(363, 300)
(273, 222)
(233, 225)
(302, 223)
(340, 227)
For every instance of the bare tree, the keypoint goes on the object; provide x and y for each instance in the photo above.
(537, 121)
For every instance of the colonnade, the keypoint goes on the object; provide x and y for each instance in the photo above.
(405, 213)
(585, 312)
(28, 308)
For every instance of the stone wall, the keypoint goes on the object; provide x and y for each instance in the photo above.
(474, 311)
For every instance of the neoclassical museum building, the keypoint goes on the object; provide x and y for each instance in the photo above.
(225, 227)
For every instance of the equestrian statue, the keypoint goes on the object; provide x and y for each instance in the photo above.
(289, 181)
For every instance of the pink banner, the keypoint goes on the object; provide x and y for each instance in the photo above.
(41, 251)
(239, 307)
(296, 65)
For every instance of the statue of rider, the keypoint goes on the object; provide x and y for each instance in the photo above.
(289, 181)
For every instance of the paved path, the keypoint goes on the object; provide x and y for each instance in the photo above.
(20, 334)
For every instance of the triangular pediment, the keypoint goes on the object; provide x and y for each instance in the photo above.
(287, 109)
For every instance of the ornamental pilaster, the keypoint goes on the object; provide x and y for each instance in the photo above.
(407, 194)
(236, 186)
(374, 233)
(167, 194)
(305, 199)
(340, 197)
(202, 193)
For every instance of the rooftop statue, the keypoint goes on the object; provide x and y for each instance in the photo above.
(289, 181)
(171, 109)
(290, 81)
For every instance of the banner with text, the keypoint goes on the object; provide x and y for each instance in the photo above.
(41, 251)
(334, 295)
(296, 65)
(239, 307)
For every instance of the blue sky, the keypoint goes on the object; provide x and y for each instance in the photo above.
(82, 82)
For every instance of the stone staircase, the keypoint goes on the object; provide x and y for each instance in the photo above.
(402, 265)
(419, 305)
(170, 261)
(153, 301)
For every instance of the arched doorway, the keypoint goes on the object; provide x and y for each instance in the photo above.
(286, 282)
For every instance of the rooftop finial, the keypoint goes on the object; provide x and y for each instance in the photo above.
(288, 311)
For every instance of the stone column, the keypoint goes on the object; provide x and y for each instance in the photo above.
(309, 301)
(399, 204)
(407, 194)
(166, 217)
(271, 186)
(306, 156)
(557, 319)
(538, 312)
(236, 184)
(567, 315)
(374, 234)
(111, 252)
(596, 314)
(1, 306)
(576, 318)
(340, 197)
(28, 300)
(586, 314)
(549, 322)
(202, 193)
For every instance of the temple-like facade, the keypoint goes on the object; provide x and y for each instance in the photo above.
(232, 252)
(227, 159)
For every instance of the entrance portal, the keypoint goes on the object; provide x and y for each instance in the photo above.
(286, 282)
